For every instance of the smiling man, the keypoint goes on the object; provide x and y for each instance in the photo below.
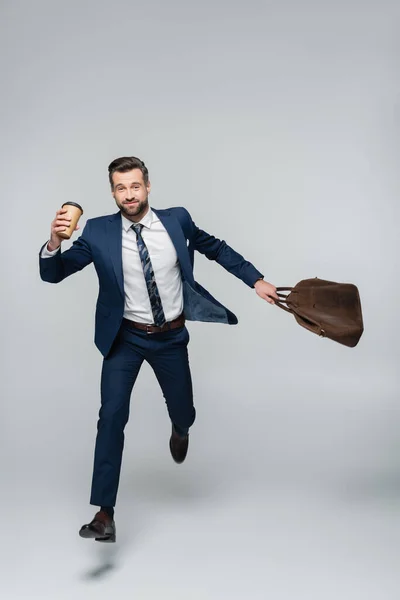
(144, 260)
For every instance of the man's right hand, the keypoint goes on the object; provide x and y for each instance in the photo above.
(60, 223)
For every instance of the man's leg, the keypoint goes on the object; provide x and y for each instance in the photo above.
(170, 362)
(119, 372)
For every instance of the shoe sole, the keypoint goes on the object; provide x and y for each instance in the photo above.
(110, 539)
(90, 534)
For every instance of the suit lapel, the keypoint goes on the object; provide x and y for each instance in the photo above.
(114, 234)
(176, 234)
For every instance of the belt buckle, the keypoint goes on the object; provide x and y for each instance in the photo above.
(148, 330)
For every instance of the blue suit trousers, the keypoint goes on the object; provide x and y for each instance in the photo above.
(168, 356)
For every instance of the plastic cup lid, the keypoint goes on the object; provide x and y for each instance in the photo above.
(73, 204)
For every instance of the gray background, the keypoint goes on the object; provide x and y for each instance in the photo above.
(276, 125)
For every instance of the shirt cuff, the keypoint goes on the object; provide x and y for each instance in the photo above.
(48, 253)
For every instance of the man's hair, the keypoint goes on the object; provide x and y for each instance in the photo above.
(127, 163)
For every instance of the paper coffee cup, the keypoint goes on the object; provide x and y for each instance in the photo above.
(75, 211)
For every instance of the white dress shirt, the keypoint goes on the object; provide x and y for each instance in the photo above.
(166, 268)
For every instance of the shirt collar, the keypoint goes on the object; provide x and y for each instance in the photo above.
(147, 220)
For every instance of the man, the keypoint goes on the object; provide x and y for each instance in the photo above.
(144, 261)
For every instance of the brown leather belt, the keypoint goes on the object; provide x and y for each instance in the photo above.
(178, 322)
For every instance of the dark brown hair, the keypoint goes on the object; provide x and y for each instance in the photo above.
(127, 163)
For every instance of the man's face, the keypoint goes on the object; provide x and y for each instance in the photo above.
(131, 194)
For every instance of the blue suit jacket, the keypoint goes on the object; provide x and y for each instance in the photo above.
(101, 243)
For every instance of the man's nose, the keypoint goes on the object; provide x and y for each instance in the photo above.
(130, 195)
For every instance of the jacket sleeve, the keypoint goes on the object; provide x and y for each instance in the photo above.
(218, 250)
(63, 264)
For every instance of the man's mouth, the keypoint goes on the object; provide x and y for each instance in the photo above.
(131, 202)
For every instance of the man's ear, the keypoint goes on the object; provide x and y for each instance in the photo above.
(148, 186)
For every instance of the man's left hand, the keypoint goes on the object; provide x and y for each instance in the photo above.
(266, 291)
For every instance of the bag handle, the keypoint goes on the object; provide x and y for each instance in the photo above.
(286, 289)
(283, 297)
(289, 310)
(282, 305)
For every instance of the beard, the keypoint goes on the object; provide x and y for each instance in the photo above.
(135, 210)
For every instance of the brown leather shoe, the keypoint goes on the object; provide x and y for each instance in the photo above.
(178, 446)
(101, 528)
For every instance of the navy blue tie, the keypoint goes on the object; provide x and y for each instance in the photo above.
(154, 295)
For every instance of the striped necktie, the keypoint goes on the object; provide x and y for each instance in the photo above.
(154, 295)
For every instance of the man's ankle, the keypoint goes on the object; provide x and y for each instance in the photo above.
(109, 510)
(181, 432)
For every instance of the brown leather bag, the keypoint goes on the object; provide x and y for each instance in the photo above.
(326, 308)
